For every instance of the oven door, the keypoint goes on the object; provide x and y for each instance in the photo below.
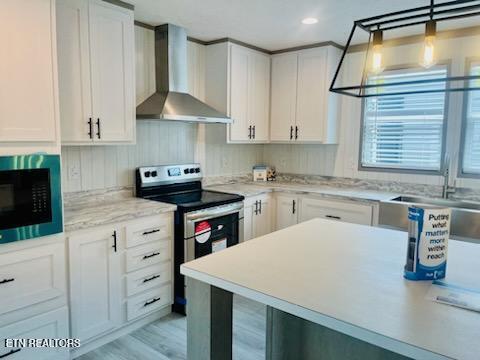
(211, 230)
(30, 197)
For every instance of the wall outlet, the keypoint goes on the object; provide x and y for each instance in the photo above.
(224, 162)
(73, 172)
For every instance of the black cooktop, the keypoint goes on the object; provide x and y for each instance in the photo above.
(197, 199)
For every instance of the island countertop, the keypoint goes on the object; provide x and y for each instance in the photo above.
(349, 278)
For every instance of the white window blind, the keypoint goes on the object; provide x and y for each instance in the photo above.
(404, 131)
(471, 151)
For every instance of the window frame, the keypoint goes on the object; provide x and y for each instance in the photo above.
(461, 151)
(384, 169)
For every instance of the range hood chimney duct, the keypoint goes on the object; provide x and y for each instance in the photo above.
(171, 100)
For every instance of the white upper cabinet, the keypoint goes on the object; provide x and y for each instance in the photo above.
(259, 96)
(74, 69)
(144, 63)
(239, 94)
(238, 83)
(303, 109)
(284, 95)
(96, 72)
(28, 73)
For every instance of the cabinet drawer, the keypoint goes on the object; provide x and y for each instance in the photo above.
(147, 302)
(148, 230)
(51, 325)
(336, 210)
(148, 254)
(31, 276)
(148, 278)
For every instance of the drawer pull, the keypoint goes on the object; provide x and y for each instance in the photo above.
(151, 301)
(151, 232)
(11, 352)
(333, 217)
(151, 278)
(4, 281)
(151, 255)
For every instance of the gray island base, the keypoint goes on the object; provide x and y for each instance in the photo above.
(209, 332)
(333, 291)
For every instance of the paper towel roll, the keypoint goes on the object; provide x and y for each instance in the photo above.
(428, 233)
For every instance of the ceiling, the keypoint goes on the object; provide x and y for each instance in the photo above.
(269, 24)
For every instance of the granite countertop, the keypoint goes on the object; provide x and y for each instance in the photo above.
(249, 189)
(84, 214)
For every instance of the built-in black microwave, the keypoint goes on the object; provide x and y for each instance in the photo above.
(30, 197)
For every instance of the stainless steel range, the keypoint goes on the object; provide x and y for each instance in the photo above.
(205, 221)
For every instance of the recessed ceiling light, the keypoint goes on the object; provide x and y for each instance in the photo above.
(309, 21)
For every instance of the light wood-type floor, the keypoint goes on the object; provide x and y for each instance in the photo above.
(166, 338)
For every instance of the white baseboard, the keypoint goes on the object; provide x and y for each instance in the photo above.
(124, 330)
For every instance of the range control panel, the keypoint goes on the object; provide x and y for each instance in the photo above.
(170, 173)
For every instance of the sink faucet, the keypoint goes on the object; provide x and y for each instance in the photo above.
(447, 189)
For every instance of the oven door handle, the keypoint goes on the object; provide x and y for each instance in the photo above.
(214, 213)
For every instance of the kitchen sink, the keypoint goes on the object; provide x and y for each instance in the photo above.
(465, 222)
(438, 202)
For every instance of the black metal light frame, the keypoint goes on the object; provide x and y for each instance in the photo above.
(451, 10)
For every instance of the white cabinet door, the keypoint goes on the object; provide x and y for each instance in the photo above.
(74, 71)
(31, 276)
(239, 96)
(50, 325)
(95, 274)
(284, 93)
(262, 218)
(112, 63)
(311, 94)
(346, 211)
(286, 211)
(248, 213)
(144, 63)
(259, 96)
(28, 71)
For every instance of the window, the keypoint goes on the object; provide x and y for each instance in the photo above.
(405, 131)
(471, 150)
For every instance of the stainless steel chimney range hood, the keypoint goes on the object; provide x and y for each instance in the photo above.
(171, 100)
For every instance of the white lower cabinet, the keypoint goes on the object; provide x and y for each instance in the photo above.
(31, 276)
(118, 274)
(95, 292)
(257, 216)
(33, 300)
(291, 209)
(286, 211)
(50, 325)
(339, 210)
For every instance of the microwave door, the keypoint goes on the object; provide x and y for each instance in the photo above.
(25, 198)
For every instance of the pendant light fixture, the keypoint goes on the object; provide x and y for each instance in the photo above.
(428, 58)
(377, 48)
(374, 59)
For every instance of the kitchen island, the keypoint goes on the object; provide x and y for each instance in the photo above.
(332, 290)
